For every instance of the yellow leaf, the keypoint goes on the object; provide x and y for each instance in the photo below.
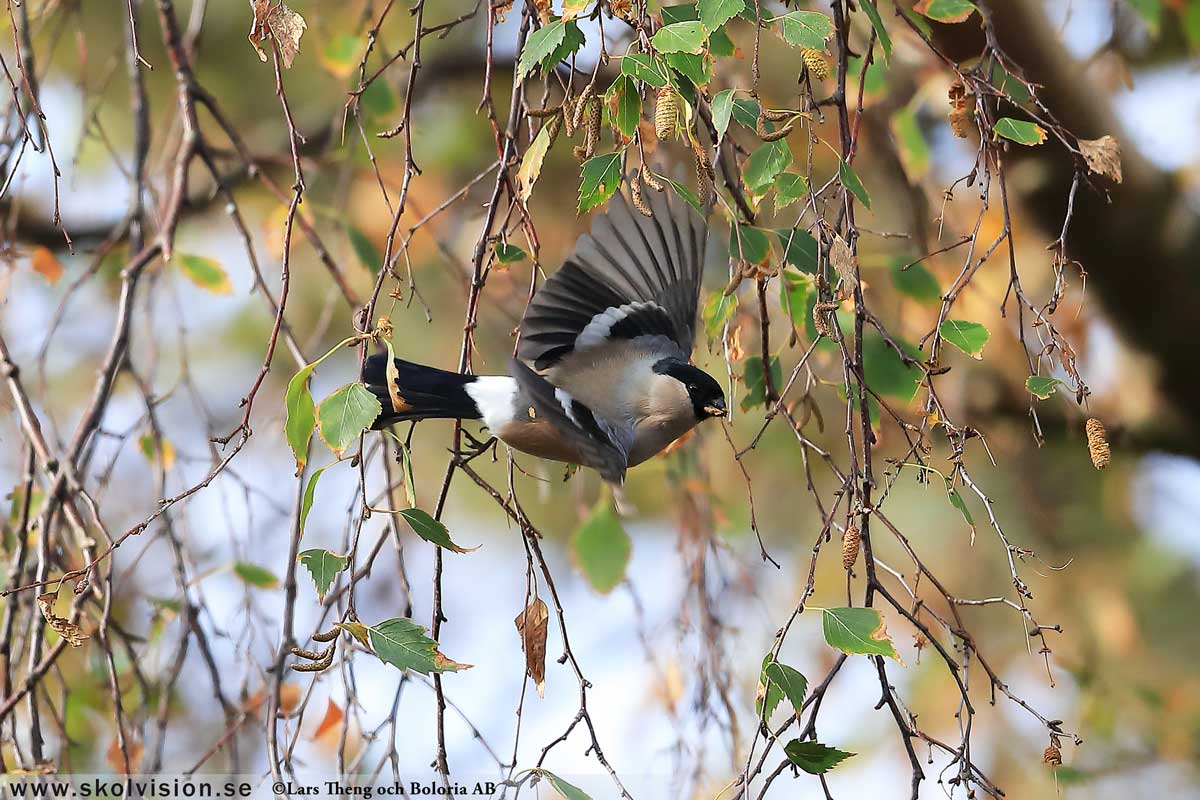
(61, 625)
(162, 451)
(47, 265)
(531, 163)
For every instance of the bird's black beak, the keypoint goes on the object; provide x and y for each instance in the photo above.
(716, 408)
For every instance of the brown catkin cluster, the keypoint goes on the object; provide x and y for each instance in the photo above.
(815, 63)
(961, 110)
(635, 194)
(1097, 439)
(821, 314)
(1052, 756)
(665, 112)
(850, 542)
(704, 175)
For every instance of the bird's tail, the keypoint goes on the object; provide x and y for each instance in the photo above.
(422, 392)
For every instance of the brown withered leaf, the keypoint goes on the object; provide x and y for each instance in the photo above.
(532, 627)
(331, 721)
(127, 761)
(844, 261)
(1103, 156)
(44, 263)
(61, 625)
(276, 20)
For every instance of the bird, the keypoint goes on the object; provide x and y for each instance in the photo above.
(602, 376)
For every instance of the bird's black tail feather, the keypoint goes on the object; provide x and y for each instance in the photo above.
(425, 392)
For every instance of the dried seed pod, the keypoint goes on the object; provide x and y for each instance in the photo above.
(652, 180)
(844, 261)
(623, 9)
(850, 542)
(582, 106)
(821, 314)
(69, 631)
(635, 193)
(555, 124)
(815, 63)
(959, 97)
(781, 115)
(594, 117)
(1097, 439)
(1052, 756)
(734, 282)
(1103, 156)
(760, 128)
(666, 111)
(960, 121)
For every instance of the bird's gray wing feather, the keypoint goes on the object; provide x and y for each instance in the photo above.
(604, 444)
(632, 276)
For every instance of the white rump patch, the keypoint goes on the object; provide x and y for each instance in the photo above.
(598, 330)
(493, 396)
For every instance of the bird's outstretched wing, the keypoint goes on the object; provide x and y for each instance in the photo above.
(633, 276)
(601, 443)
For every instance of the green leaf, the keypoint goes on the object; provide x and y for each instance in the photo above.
(573, 40)
(600, 549)
(1009, 84)
(324, 567)
(793, 295)
(814, 757)
(366, 251)
(682, 12)
(345, 414)
(718, 309)
(600, 178)
(755, 379)
(686, 193)
(722, 111)
(745, 111)
(876, 22)
(509, 253)
(850, 180)
(431, 530)
(769, 693)
(799, 249)
(885, 371)
(628, 105)
(793, 684)
(255, 575)
(1042, 386)
(915, 281)
(719, 43)
(946, 10)
(807, 29)
(310, 492)
(205, 273)
(403, 644)
(754, 247)
(857, 631)
(1020, 131)
(789, 188)
(715, 13)
(764, 164)
(539, 46)
(300, 417)
(1150, 11)
(340, 55)
(680, 37)
(914, 152)
(378, 99)
(569, 791)
(957, 501)
(970, 337)
(644, 67)
(693, 67)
